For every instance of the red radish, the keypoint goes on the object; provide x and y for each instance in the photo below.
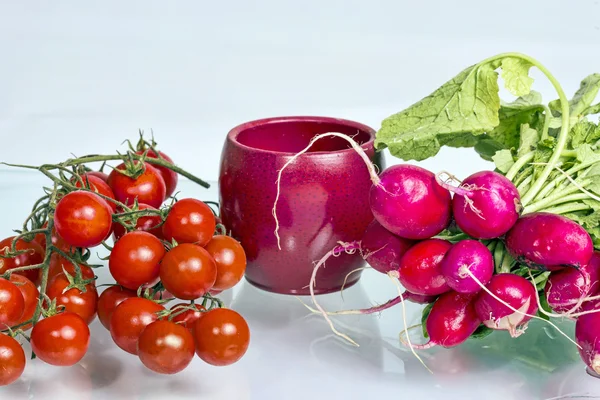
(451, 321)
(514, 290)
(410, 203)
(472, 255)
(382, 249)
(418, 298)
(547, 241)
(486, 205)
(420, 268)
(587, 334)
(566, 289)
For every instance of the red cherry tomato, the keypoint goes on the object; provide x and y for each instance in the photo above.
(30, 296)
(188, 271)
(57, 241)
(170, 177)
(189, 221)
(83, 219)
(230, 257)
(60, 340)
(109, 299)
(34, 254)
(98, 185)
(188, 317)
(12, 304)
(222, 336)
(73, 300)
(98, 174)
(12, 360)
(149, 188)
(135, 259)
(58, 264)
(166, 347)
(129, 320)
(149, 224)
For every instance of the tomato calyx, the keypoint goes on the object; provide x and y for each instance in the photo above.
(129, 216)
(77, 281)
(132, 166)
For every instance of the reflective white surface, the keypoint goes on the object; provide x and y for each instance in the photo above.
(293, 354)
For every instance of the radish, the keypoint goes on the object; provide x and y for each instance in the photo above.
(587, 334)
(420, 268)
(566, 289)
(382, 249)
(472, 255)
(514, 290)
(410, 203)
(486, 204)
(548, 241)
(451, 321)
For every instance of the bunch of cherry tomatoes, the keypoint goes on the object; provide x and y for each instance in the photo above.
(161, 252)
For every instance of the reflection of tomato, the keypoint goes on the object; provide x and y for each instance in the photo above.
(34, 254)
(109, 299)
(60, 340)
(129, 320)
(222, 336)
(74, 300)
(12, 360)
(166, 347)
(230, 259)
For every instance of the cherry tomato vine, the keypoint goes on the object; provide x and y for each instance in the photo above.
(45, 266)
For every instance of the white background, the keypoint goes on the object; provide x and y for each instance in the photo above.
(80, 77)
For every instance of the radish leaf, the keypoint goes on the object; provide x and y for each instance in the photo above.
(503, 160)
(515, 72)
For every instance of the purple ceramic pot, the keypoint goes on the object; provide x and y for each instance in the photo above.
(324, 199)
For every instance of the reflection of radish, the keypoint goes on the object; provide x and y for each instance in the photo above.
(513, 290)
(549, 241)
(471, 255)
(410, 203)
(486, 205)
(587, 333)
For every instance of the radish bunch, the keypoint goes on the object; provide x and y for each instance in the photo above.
(502, 246)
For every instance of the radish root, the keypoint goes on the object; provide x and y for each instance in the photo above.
(361, 152)
(461, 190)
(394, 278)
(518, 311)
(348, 248)
(362, 311)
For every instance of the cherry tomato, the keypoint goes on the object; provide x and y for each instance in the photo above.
(169, 176)
(58, 263)
(135, 259)
(129, 320)
(149, 224)
(166, 347)
(83, 219)
(73, 300)
(98, 185)
(149, 188)
(12, 360)
(188, 317)
(230, 257)
(57, 241)
(109, 299)
(30, 296)
(222, 336)
(189, 221)
(12, 304)
(34, 255)
(61, 340)
(188, 271)
(99, 174)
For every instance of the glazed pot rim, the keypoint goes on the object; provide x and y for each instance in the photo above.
(233, 134)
